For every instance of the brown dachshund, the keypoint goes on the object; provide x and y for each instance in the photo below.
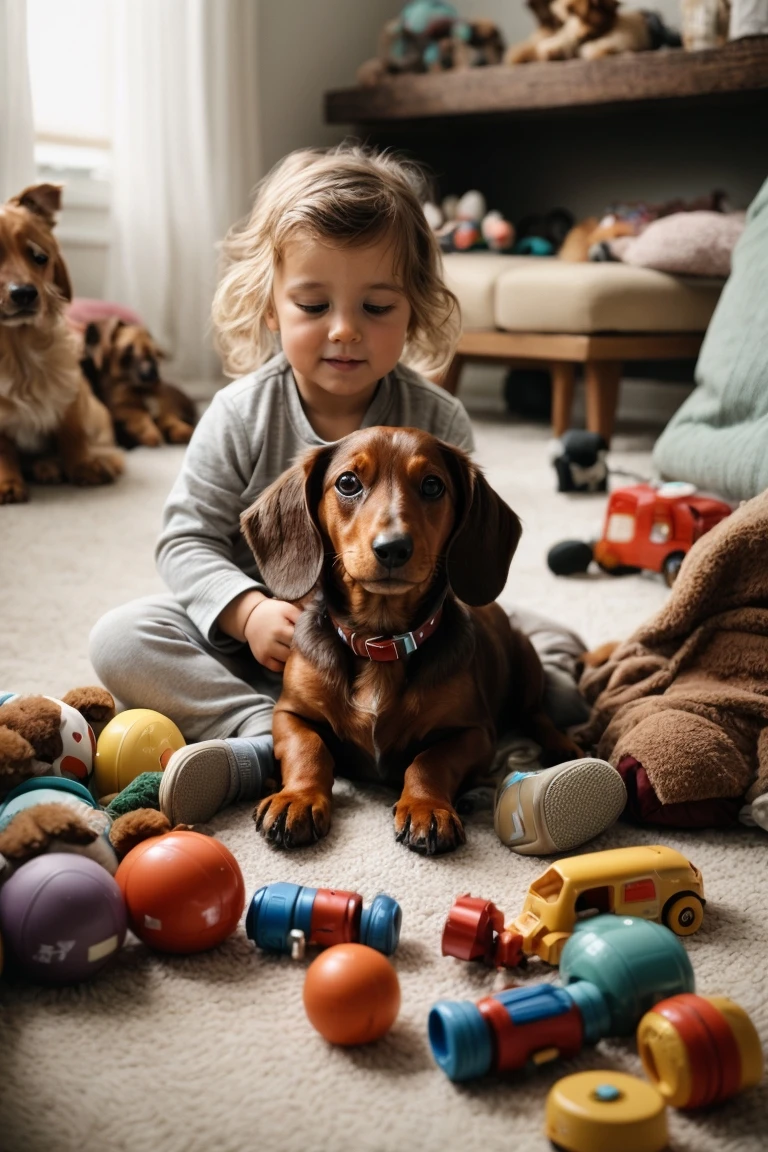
(121, 362)
(51, 426)
(402, 670)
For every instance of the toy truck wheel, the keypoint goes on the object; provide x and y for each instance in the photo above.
(671, 567)
(569, 557)
(683, 914)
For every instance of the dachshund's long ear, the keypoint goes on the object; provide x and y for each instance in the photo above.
(42, 199)
(485, 537)
(281, 528)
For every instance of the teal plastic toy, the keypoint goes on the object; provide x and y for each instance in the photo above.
(613, 970)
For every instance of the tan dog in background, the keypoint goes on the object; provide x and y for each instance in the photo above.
(52, 427)
(121, 362)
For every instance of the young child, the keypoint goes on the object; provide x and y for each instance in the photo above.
(336, 267)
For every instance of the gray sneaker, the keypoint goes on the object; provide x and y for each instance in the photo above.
(556, 809)
(201, 779)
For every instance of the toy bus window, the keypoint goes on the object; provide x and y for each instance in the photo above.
(593, 901)
(661, 531)
(549, 886)
(620, 528)
(639, 890)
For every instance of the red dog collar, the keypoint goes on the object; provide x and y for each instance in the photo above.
(386, 648)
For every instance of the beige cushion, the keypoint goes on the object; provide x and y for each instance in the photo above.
(472, 276)
(547, 295)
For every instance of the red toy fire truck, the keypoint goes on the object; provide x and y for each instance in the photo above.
(645, 527)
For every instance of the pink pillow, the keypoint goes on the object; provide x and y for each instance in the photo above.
(686, 243)
(82, 311)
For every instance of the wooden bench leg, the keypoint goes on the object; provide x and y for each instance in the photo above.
(451, 379)
(602, 379)
(563, 381)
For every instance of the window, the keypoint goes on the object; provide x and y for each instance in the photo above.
(621, 528)
(71, 66)
(548, 887)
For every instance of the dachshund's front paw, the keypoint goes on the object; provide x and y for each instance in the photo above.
(13, 490)
(101, 469)
(291, 819)
(427, 828)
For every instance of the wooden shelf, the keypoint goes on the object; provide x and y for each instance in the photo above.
(738, 68)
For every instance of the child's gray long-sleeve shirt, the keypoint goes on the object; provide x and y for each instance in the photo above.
(252, 431)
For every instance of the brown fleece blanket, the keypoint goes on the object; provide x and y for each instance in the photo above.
(687, 695)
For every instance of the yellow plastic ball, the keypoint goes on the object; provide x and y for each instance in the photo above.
(136, 741)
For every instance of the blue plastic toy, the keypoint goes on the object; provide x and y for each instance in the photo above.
(279, 915)
(613, 968)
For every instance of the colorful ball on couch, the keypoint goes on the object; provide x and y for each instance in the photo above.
(62, 918)
(184, 891)
(138, 740)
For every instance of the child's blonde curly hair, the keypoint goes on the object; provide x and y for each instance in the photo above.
(347, 195)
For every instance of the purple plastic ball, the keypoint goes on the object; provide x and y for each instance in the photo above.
(62, 917)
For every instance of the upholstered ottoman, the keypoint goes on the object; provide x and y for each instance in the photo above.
(521, 309)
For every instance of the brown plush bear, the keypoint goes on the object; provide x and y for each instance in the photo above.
(40, 736)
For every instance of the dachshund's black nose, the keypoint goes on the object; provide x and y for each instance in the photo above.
(148, 372)
(393, 551)
(22, 294)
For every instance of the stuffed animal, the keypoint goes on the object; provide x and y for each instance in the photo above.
(590, 29)
(430, 36)
(41, 736)
(53, 814)
(465, 224)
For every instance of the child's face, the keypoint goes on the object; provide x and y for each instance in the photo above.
(341, 315)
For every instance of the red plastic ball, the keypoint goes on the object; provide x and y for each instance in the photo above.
(184, 891)
(351, 994)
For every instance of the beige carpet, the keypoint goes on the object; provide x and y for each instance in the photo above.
(213, 1053)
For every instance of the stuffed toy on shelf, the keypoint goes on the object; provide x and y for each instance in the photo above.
(430, 36)
(464, 224)
(590, 29)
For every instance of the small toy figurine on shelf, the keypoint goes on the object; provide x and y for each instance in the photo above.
(655, 883)
(430, 36)
(465, 225)
(590, 29)
(287, 918)
(645, 527)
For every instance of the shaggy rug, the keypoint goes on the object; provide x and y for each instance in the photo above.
(213, 1053)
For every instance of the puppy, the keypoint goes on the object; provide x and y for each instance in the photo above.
(51, 425)
(403, 669)
(120, 362)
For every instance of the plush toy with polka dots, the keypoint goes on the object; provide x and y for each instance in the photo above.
(41, 736)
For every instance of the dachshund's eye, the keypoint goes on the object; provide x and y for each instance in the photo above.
(348, 484)
(38, 255)
(432, 487)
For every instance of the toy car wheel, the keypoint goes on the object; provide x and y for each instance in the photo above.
(671, 567)
(683, 914)
(569, 557)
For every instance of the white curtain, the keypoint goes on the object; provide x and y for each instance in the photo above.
(17, 137)
(186, 156)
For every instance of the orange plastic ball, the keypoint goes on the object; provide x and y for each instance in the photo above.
(351, 994)
(184, 891)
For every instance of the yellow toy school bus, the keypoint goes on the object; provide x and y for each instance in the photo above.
(655, 883)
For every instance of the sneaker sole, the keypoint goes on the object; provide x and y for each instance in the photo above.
(196, 783)
(565, 806)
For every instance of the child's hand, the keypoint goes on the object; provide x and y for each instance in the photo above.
(269, 632)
